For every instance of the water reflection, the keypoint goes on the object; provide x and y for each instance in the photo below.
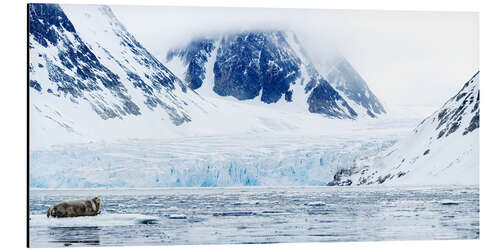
(75, 235)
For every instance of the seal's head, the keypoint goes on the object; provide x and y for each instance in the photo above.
(97, 202)
(52, 211)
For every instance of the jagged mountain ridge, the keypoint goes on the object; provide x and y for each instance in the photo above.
(350, 83)
(443, 149)
(89, 78)
(72, 69)
(105, 67)
(268, 65)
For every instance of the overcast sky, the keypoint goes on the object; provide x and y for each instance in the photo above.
(407, 58)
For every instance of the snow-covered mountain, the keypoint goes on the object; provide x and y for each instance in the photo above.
(443, 149)
(90, 79)
(87, 72)
(272, 67)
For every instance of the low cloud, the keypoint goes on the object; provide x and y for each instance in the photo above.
(407, 58)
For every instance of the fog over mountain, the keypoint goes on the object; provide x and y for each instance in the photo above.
(374, 42)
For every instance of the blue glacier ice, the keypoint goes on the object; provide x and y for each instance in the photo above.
(209, 161)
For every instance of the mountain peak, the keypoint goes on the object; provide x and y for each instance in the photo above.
(86, 67)
(350, 83)
(272, 66)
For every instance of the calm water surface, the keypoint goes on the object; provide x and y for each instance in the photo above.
(244, 215)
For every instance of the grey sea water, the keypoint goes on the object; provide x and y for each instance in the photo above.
(244, 215)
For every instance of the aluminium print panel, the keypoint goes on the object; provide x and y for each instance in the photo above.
(162, 125)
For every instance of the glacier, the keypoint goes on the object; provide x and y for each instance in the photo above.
(205, 161)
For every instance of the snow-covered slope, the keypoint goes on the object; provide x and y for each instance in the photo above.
(269, 67)
(90, 77)
(443, 149)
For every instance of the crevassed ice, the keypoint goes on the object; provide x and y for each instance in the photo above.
(203, 161)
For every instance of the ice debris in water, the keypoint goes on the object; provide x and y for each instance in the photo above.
(233, 213)
(449, 203)
(315, 204)
(177, 216)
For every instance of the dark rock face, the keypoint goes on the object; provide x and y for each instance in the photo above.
(195, 56)
(450, 118)
(34, 84)
(252, 64)
(248, 63)
(382, 179)
(44, 29)
(324, 100)
(341, 178)
(474, 124)
(354, 88)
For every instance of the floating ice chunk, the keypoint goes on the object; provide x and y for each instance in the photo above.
(177, 216)
(93, 221)
(234, 213)
(148, 221)
(315, 204)
(449, 202)
(273, 212)
(245, 202)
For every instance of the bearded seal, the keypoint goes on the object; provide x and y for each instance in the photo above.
(74, 208)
